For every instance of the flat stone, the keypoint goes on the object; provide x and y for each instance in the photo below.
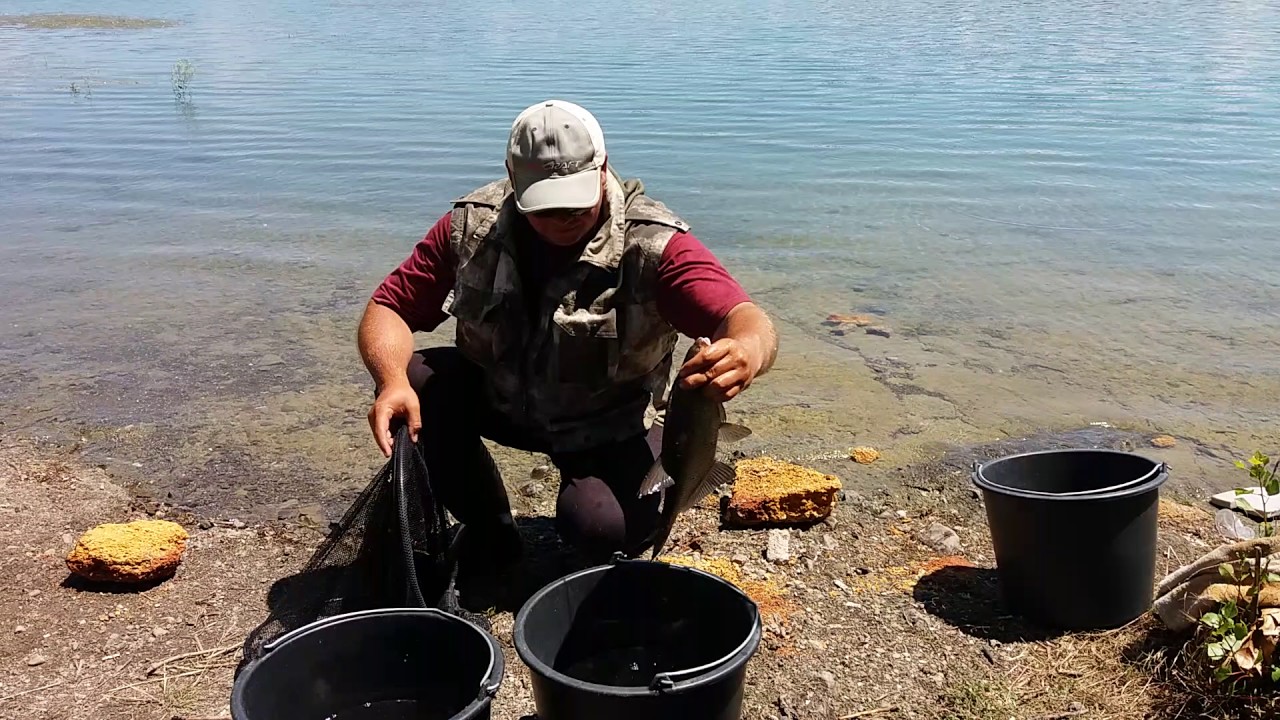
(36, 659)
(941, 538)
(879, 330)
(778, 549)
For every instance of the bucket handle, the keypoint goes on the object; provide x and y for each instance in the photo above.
(490, 688)
(667, 680)
(977, 469)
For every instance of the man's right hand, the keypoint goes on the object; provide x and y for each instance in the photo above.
(395, 400)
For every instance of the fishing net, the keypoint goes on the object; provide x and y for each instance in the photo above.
(392, 548)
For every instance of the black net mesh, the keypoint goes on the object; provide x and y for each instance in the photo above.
(392, 548)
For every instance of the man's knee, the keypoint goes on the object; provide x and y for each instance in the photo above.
(589, 517)
(599, 520)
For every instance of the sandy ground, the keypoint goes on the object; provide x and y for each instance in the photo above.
(864, 618)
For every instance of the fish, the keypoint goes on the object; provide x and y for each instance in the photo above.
(686, 469)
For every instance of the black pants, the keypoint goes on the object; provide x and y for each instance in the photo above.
(597, 510)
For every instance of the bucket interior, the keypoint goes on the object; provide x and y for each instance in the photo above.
(389, 667)
(1069, 471)
(620, 625)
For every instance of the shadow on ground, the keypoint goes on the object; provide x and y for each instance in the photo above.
(78, 583)
(968, 598)
(483, 589)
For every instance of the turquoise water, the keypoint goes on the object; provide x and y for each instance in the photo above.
(1090, 186)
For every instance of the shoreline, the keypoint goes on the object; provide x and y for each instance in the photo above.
(286, 441)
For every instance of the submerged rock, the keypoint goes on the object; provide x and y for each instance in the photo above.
(864, 455)
(134, 552)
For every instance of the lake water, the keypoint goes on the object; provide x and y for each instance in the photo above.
(1054, 202)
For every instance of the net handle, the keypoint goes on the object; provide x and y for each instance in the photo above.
(402, 453)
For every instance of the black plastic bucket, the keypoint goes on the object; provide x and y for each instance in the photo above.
(387, 664)
(636, 640)
(1074, 533)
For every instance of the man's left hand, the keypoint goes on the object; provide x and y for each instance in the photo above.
(724, 368)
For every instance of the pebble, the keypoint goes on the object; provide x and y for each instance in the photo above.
(778, 550)
(36, 659)
(942, 538)
(206, 524)
(829, 679)
(237, 524)
(1075, 707)
(829, 541)
(159, 632)
(840, 584)
(33, 593)
(878, 330)
(18, 630)
(741, 558)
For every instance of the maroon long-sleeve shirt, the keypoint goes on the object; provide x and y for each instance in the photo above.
(694, 294)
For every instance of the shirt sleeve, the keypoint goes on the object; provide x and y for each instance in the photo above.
(417, 288)
(695, 292)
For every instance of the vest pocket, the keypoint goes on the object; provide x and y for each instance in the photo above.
(586, 345)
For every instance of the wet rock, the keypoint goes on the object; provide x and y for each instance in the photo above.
(942, 539)
(846, 319)
(864, 455)
(879, 330)
(778, 549)
(138, 551)
(313, 513)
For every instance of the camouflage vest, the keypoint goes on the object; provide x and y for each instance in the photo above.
(584, 367)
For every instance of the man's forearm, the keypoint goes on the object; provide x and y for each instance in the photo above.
(386, 344)
(749, 325)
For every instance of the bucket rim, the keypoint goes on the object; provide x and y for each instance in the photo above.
(489, 683)
(714, 671)
(1143, 484)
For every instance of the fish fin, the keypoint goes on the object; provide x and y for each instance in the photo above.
(656, 479)
(658, 539)
(718, 475)
(732, 432)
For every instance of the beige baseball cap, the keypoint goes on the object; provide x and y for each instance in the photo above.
(555, 153)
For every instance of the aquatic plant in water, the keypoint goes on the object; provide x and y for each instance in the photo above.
(181, 76)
